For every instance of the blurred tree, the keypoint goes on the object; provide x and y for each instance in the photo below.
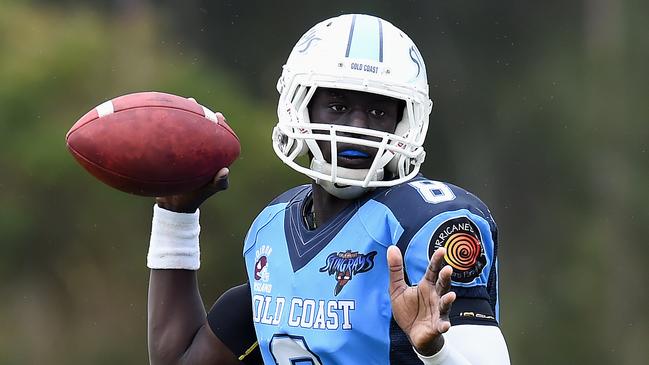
(74, 284)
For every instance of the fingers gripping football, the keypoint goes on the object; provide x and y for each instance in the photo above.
(189, 202)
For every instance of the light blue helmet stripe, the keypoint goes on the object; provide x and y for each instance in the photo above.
(365, 38)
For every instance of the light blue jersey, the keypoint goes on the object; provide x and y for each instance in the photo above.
(321, 296)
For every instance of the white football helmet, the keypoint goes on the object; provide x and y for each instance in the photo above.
(362, 53)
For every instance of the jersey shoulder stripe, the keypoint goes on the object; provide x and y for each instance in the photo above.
(415, 202)
(292, 194)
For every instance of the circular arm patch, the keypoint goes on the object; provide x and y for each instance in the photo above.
(464, 249)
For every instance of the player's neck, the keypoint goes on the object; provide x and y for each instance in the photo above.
(325, 205)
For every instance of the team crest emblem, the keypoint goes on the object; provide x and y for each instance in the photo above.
(261, 263)
(347, 264)
(464, 249)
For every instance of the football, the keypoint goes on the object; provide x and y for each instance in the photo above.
(153, 143)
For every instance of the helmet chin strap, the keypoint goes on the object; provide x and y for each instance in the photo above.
(346, 191)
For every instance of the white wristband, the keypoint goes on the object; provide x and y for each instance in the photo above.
(446, 356)
(174, 240)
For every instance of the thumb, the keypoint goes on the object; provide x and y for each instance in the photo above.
(395, 264)
(222, 174)
(220, 181)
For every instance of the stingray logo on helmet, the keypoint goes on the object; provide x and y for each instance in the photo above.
(415, 56)
(362, 53)
(306, 41)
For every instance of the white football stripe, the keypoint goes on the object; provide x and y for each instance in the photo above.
(105, 108)
(210, 115)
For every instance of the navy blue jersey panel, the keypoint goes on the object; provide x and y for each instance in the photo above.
(303, 243)
(413, 211)
(291, 194)
(471, 292)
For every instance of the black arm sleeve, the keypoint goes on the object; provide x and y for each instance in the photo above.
(472, 311)
(230, 318)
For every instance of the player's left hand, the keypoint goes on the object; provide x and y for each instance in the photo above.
(422, 310)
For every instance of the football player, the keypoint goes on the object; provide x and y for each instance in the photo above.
(369, 263)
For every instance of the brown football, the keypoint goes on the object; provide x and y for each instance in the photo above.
(153, 143)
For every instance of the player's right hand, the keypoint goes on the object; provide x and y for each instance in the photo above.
(190, 201)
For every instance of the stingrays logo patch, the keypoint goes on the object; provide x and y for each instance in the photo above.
(347, 264)
(464, 249)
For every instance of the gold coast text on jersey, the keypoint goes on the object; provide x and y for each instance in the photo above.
(303, 312)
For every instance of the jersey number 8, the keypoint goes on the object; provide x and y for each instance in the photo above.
(292, 350)
(433, 191)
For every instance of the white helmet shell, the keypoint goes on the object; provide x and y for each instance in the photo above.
(362, 53)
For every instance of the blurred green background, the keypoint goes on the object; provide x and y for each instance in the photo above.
(540, 109)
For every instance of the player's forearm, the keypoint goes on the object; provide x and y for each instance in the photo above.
(175, 314)
(176, 311)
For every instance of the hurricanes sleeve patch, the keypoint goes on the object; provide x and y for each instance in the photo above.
(464, 248)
